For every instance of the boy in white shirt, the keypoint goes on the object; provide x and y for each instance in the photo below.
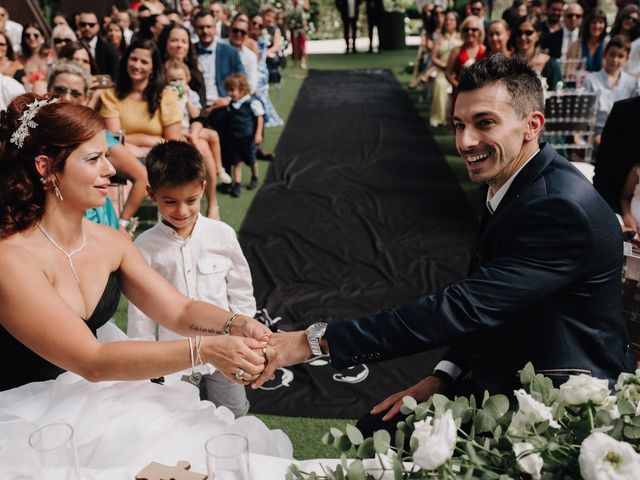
(611, 82)
(199, 256)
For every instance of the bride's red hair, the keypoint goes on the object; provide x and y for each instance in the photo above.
(61, 128)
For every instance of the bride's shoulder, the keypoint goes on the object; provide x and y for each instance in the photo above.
(15, 254)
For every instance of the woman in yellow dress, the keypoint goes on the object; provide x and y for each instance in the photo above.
(444, 43)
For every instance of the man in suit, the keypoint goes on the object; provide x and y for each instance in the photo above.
(557, 43)
(349, 12)
(544, 280)
(104, 53)
(615, 159)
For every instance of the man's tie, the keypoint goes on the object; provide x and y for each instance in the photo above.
(203, 51)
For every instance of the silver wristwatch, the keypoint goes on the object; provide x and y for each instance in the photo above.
(314, 333)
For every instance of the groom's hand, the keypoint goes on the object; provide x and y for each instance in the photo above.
(251, 328)
(421, 391)
(284, 349)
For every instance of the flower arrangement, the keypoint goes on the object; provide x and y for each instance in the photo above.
(580, 430)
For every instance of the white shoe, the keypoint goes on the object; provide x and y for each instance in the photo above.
(224, 177)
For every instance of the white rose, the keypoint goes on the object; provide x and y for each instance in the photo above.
(530, 411)
(610, 405)
(528, 460)
(604, 458)
(581, 389)
(437, 446)
(422, 430)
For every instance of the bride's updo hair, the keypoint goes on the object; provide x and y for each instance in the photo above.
(61, 128)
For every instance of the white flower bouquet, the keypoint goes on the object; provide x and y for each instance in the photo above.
(580, 430)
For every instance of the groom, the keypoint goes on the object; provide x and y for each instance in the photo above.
(544, 280)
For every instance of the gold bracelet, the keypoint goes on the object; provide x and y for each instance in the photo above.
(227, 326)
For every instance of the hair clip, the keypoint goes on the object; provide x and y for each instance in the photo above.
(26, 120)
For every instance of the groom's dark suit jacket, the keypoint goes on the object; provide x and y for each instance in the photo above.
(543, 286)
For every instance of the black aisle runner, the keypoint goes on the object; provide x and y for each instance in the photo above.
(359, 212)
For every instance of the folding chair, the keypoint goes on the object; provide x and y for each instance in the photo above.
(570, 119)
(574, 71)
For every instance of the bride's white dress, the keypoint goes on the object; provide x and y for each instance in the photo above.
(120, 427)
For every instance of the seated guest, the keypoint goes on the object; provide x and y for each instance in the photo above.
(175, 44)
(124, 20)
(60, 36)
(180, 244)
(238, 33)
(544, 279)
(471, 50)
(611, 82)
(140, 104)
(151, 27)
(79, 53)
(11, 28)
(553, 22)
(445, 43)
(58, 19)
(73, 83)
(557, 43)
(499, 33)
(35, 58)
(630, 201)
(9, 66)
(525, 41)
(614, 159)
(115, 35)
(54, 168)
(516, 11)
(216, 61)
(104, 53)
(593, 37)
(627, 23)
(9, 88)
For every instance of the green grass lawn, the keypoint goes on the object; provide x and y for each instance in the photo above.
(306, 433)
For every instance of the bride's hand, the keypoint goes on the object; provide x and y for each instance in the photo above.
(237, 358)
(284, 349)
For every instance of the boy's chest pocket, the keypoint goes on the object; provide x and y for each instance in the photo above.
(216, 265)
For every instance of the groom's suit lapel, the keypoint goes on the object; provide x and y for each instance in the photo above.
(489, 222)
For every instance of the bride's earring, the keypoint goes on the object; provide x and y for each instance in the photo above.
(57, 191)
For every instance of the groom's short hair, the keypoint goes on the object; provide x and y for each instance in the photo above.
(516, 74)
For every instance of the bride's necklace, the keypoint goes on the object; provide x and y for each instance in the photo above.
(68, 255)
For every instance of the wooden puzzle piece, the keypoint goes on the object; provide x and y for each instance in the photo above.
(158, 471)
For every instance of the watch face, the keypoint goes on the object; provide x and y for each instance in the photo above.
(317, 329)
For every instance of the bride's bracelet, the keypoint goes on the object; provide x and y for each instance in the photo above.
(227, 326)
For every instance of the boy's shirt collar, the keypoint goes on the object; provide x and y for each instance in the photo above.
(239, 103)
(172, 233)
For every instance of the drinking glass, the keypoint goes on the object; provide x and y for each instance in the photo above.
(227, 457)
(53, 452)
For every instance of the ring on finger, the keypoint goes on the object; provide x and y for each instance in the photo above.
(264, 352)
(240, 374)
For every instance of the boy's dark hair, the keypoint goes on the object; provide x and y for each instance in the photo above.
(174, 163)
(515, 73)
(619, 41)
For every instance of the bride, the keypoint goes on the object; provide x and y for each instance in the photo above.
(61, 281)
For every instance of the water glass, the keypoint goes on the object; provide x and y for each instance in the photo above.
(228, 457)
(53, 453)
